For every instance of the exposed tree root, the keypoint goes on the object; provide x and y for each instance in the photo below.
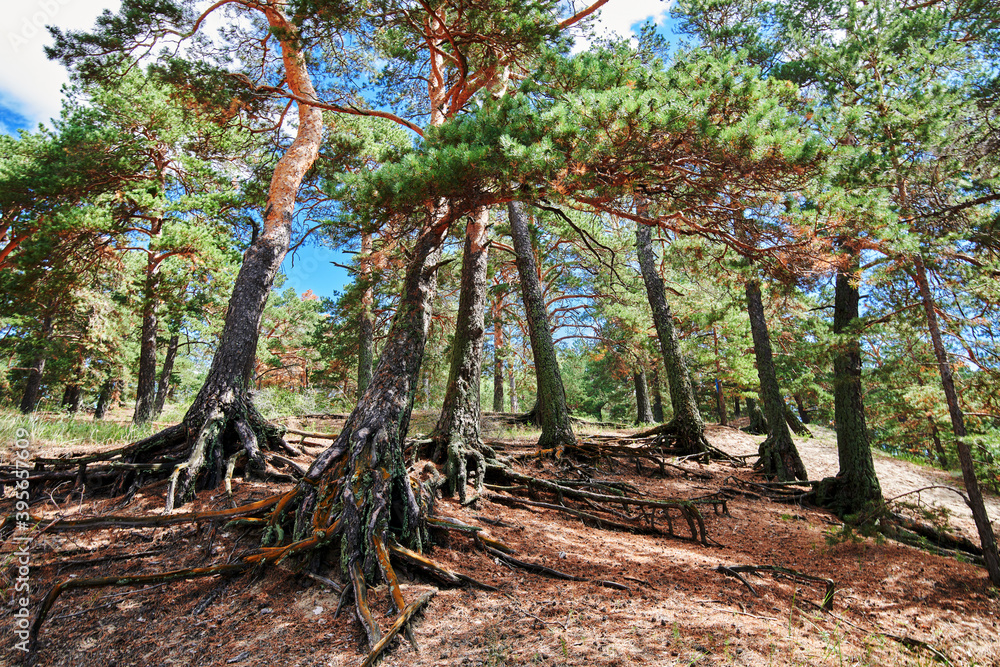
(782, 572)
(358, 500)
(686, 440)
(636, 514)
(826, 605)
(463, 462)
(404, 617)
(201, 452)
(785, 492)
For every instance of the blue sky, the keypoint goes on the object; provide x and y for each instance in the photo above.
(30, 91)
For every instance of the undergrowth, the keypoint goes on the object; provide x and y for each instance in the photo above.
(66, 430)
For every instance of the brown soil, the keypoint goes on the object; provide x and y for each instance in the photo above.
(678, 609)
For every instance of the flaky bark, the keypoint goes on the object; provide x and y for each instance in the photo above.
(855, 490)
(459, 423)
(778, 455)
(983, 525)
(687, 424)
(553, 415)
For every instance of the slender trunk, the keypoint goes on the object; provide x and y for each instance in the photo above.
(758, 422)
(33, 384)
(720, 396)
(104, 398)
(515, 405)
(366, 325)
(557, 432)
(736, 406)
(938, 445)
(720, 403)
(657, 396)
(145, 385)
(687, 424)
(163, 386)
(800, 405)
(778, 455)
(793, 421)
(497, 356)
(459, 423)
(644, 411)
(855, 491)
(983, 526)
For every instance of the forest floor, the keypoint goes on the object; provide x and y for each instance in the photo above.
(894, 604)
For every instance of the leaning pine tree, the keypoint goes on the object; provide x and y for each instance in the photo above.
(222, 424)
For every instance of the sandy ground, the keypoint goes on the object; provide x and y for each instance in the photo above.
(899, 479)
(894, 605)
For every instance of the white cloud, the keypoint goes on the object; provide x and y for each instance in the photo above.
(617, 17)
(29, 82)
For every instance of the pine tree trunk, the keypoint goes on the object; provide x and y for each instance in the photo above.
(145, 385)
(557, 431)
(222, 422)
(497, 356)
(800, 405)
(644, 411)
(794, 423)
(657, 397)
(758, 422)
(938, 445)
(366, 325)
(71, 398)
(459, 423)
(720, 403)
(515, 405)
(778, 455)
(163, 386)
(687, 424)
(104, 398)
(736, 407)
(720, 395)
(855, 490)
(983, 526)
(33, 383)
(362, 477)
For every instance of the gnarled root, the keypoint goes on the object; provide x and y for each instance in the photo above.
(201, 452)
(779, 459)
